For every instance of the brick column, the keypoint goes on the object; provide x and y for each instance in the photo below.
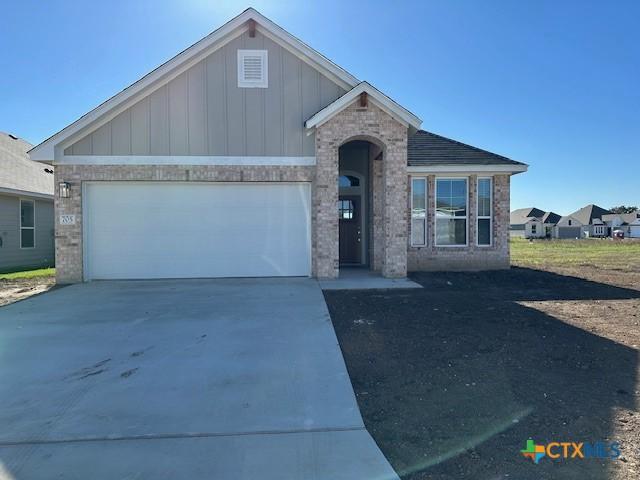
(395, 207)
(325, 248)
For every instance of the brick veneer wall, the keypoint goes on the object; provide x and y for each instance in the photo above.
(472, 257)
(389, 229)
(69, 260)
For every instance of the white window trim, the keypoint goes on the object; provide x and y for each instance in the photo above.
(484, 217)
(465, 218)
(27, 228)
(264, 82)
(426, 208)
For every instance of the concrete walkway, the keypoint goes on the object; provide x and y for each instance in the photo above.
(190, 379)
(357, 278)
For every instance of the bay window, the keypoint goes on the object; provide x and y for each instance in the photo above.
(451, 211)
(485, 212)
(418, 211)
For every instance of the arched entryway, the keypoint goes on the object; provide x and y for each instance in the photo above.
(355, 203)
(380, 141)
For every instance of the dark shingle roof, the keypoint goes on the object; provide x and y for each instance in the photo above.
(587, 214)
(551, 217)
(522, 215)
(426, 148)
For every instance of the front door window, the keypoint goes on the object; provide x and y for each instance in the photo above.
(350, 230)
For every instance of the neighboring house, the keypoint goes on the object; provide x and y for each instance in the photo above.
(26, 208)
(568, 228)
(532, 223)
(629, 223)
(250, 154)
(590, 219)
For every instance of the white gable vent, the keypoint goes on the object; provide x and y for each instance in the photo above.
(252, 69)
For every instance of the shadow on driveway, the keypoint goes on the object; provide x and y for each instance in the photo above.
(454, 378)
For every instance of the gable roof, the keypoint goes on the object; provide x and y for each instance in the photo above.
(551, 217)
(564, 221)
(18, 174)
(523, 215)
(587, 214)
(428, 149)
(92, 120)
(393, 108)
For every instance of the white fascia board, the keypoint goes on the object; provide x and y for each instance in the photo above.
(24, 193)
(469, 169)
(392, 108)
(183, 160)
(45, 151)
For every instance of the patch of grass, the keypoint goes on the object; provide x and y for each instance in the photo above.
(605, 253)
(40, 272)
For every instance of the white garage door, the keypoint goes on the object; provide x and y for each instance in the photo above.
(181, 230)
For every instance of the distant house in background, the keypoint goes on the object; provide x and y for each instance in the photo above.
(532, 223)
(568, 227)
(629, 223)
(589, 219)
(26, 208)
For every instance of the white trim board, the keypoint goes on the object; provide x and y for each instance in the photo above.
(183, 160)
(469, 169)
(394, 109)
(45, 151)
(24, 193)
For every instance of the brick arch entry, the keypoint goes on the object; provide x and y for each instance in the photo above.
(372, 124)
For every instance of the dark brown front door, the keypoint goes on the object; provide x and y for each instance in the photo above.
(350, 230)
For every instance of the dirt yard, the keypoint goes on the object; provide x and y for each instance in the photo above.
(453, 379)
(14, 289)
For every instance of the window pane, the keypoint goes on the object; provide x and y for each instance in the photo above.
(26, 214)
(417, 231)
(451, 198)
(345, 209)
(419, 197)
(348, 181)
(484, 197)
(450, 231)
(484, 231)
(27, 238)
(459, 188)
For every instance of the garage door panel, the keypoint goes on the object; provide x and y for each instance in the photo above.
(178, 230)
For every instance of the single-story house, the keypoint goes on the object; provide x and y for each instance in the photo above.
(26, 208)
(590, 220)
(568, 227)
(532, 223)
(251, 154)
(629, 223)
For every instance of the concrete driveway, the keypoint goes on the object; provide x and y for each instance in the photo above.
(188, 379)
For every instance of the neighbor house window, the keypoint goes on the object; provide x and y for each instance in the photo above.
(27, 224)
(484, 212)
(534, 228)
(418, 211)
(451, 211)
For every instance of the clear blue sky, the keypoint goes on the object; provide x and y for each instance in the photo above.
(553, 83)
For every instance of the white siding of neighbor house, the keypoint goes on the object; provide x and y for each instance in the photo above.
(11, 255)
(204, 112)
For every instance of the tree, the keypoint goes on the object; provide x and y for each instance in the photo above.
(623, 209)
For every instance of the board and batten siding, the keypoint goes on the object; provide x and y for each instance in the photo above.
(203, 112)
(11, 255)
